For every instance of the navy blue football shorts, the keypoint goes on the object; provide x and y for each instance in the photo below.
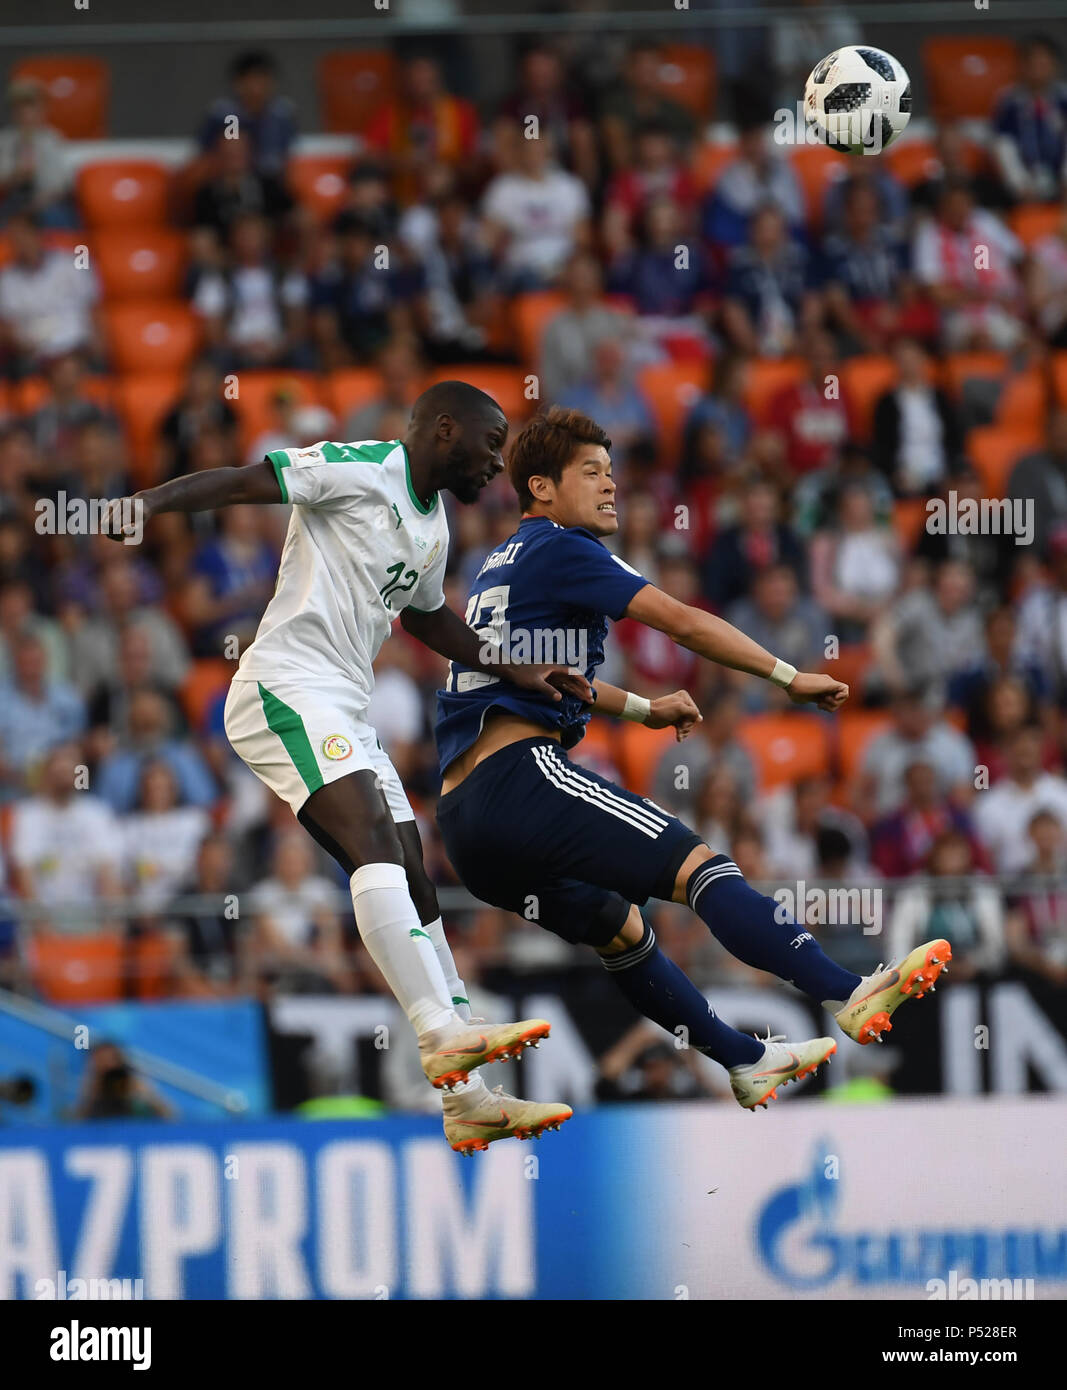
(532, 832)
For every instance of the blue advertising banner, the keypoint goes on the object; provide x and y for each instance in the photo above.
(910, 1199)
(219, 1041)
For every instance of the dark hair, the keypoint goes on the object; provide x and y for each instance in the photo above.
(256, 61)
(1032, 42)
(546, 445)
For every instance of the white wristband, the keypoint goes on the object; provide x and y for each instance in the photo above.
(636, 708)
(783, 674)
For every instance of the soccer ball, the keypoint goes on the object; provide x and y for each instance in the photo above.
(857, 100)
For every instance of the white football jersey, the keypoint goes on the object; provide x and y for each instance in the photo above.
(360, 548)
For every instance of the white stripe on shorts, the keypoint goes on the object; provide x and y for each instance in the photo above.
(596, 796)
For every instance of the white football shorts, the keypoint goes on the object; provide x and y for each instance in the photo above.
(297, 741)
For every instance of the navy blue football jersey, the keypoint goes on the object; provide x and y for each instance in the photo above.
(544, 595)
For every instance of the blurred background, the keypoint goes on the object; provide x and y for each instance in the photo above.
(175, 299)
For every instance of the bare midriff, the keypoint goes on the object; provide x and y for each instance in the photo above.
(499, 730)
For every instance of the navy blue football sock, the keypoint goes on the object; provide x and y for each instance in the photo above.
(760, 932)
(657, 988)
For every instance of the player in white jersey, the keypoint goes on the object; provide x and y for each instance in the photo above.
(367, 542)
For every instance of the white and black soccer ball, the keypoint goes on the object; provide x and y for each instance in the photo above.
(858, 100)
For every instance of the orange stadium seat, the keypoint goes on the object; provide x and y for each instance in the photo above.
(150, 964)
(908, 517)
(1059, 378)
(1034, 221)
(76, 969)
(28, 395)
(141, 263)
(765, 378)
(864, 380)
(912, 161)
(532, 313)
(206, 679)
(672, 388)
(709, 161)
(506, 385)
(124, 193)
(973, 366)
(600, 746)
(353, 85)
(350, 388)
(964, 75)
(639, 751)
(786, 747)
(318, 182)
(253, 400)
(855, 729)
(994, 451)
(77, 93)
(143, 402)
(152, 336)
(850, 666)
(817, 167)
(1023, 400)
(687, 76)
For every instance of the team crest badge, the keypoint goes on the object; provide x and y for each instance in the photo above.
(336, 747)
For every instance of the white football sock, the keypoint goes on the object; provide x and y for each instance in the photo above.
(400, 946)
(435, 930)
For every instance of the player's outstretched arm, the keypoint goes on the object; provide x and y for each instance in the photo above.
(445, 633)
(678, 711)
(720, 641)
(198, 492)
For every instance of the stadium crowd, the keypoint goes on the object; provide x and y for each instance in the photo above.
(792, 352)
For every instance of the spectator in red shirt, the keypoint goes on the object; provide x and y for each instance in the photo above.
(427, 125)
(654, 660)
(811, 417)
(657, 172)
(544, 91)
(901, 844)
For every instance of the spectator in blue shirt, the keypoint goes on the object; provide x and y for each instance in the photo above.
(362, 299)
(265, 119)
(770, 293)
(1030, 126)
(614, 400)
(761, 175)
(668, 275)
(863, 266)
(151, 739)
(232, 581)
(38, 713)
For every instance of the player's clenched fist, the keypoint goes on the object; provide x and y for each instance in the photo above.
(678, 711)
(807, 688)
(123, 518)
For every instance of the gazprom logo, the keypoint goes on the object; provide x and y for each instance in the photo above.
(799, 1243)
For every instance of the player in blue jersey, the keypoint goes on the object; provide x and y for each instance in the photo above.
(528, 830)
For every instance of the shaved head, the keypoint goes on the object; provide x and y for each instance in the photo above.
(456, 436)
(456, 398)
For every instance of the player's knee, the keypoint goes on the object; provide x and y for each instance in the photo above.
(630, 934)
(700, 855)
